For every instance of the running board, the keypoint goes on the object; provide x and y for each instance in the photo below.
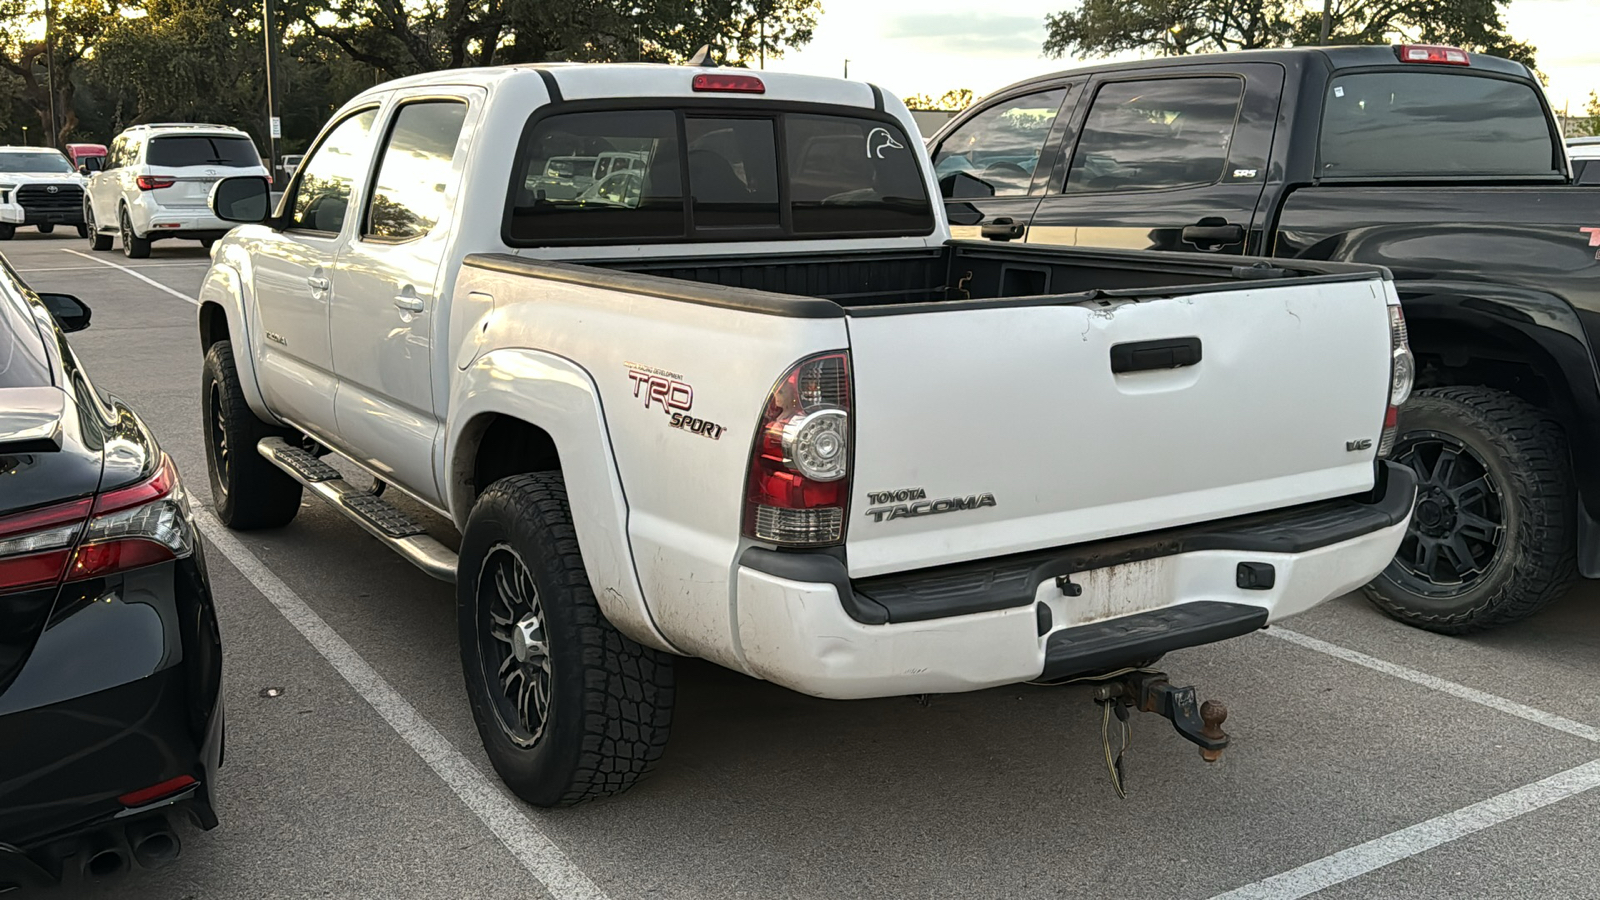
(382, 519)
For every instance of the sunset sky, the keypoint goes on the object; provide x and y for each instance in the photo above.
(930, 46)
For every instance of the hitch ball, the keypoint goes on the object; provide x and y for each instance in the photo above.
(1213, 714)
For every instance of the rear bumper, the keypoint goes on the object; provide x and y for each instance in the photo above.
(121, 693)
(1140, 598)
(152, 220)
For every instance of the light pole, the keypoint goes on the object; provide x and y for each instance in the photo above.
(50, 60)
(269, 27)
(1327, 20)
(25, 137)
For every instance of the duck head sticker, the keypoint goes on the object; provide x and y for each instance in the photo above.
(879, 140)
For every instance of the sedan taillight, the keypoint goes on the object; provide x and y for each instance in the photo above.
(799, 482)
(130, 527)
(154, 182)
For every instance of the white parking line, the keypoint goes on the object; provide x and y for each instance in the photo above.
(530, 845)
(144, 278)
(1471, 695)
(29, 270)
(1408, 842)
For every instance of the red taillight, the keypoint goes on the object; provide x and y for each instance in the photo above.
(156, 791)
(35, 545)
(123, 529)
(154, 182)
(1436, 54)
(1402, 375)
(799, 484)
(729, 84)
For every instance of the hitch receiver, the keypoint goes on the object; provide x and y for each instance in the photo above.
(1199, 723)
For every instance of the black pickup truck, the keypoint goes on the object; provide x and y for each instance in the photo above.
(1445, 166)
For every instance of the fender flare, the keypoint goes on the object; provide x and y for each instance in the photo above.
(223, 288)
(557, 395)
(1546, 323)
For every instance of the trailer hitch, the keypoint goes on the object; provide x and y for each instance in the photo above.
(1149, 691)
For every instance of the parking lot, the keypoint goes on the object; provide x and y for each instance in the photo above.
(1369, 759)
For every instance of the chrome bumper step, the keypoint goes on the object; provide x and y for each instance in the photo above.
(381, 519)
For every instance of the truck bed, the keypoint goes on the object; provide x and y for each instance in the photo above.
(973, 270)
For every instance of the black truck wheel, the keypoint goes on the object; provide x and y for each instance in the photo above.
(568, 708)
(1492, 538)
(7, 231)
(247, 491)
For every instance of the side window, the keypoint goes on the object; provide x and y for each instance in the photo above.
(558, 196)
(322, 192)
(1149, 135)
(411, 193)
(1000, 147)
(114, 153)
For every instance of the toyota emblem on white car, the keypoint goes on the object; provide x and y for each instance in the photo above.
(52, 189)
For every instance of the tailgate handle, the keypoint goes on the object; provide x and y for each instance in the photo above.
(1167, 353)
(1004, 228)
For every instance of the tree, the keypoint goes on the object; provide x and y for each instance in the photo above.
(1589, 126)
(400, 38)
(953, 100)
(1175, 27)
(26, 57)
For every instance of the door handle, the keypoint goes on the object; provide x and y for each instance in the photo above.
(408, 303)
(1213, 230)
(1002, 229)
(317, 282)
(1168, 353)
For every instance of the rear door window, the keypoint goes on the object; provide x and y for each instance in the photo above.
(632, 175)
(202, 150)
(1156, 135)
(1431, 124)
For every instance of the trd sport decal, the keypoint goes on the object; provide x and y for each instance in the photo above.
(668, 392)
(1594, 238)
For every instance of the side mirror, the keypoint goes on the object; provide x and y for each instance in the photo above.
(964, 186)
(83, 168)
(243, 198)
(70, 313)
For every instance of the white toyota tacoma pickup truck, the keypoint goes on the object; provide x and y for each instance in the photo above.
(689, 362)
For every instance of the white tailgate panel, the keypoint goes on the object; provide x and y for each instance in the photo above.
(1021, 403)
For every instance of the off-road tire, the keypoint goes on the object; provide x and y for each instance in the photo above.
(47, 228)
(247, 491)
(610, 706)
(1526, 455)
(97, 242)
(133, 246)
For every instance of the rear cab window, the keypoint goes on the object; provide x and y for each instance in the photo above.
(178, 151)
(1413, 124)
(706, 174)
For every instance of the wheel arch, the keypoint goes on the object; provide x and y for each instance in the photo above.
(515, 411)
(1527, 343)
(221, 317)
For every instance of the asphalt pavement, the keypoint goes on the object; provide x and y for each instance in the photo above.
(1369, 760)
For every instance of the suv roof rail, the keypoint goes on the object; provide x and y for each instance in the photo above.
(148, 125)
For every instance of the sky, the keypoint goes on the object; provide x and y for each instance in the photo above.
(931, 46)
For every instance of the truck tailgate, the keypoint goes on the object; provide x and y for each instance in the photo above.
(999, 427)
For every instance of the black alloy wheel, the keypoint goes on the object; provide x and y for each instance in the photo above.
(513, 645)
(1458, 523)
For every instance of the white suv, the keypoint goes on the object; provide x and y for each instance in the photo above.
(157, 181)
(38, 187)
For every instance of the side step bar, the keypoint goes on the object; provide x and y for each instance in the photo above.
(382, 519)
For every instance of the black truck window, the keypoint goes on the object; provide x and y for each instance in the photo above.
(1000, 146)
(1153, 135)
(1432, 124)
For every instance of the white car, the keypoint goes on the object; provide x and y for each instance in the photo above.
(755, 406)
(38, 187)
(1584, 153)
(156, 181)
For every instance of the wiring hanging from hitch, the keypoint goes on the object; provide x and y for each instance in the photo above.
(1150, 691)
